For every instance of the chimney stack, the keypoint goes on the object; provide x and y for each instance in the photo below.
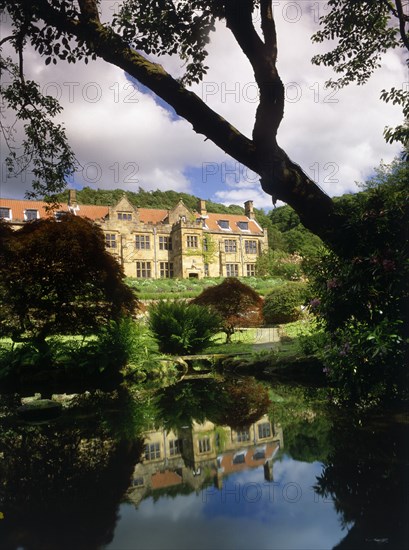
(202, 208)
(248, 210)
(72, 198)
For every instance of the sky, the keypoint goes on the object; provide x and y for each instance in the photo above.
(247, 512)
(125, 137)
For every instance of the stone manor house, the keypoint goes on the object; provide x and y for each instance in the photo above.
(155, 243)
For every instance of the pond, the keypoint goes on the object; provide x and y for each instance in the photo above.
(204, 463)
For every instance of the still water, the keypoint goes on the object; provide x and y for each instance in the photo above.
(206, 464)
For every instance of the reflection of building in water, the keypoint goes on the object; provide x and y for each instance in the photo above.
(203, 453)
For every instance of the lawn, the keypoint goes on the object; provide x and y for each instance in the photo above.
(155, 289)
(241, 342)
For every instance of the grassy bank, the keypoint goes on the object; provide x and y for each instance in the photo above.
(155, 289)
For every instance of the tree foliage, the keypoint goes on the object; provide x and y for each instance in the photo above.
(275, 263)
(367, 458)
(82, 470)
(57, 277)
(363, 301)
(365, 30)
(295, 238)
(237, 304)
(61, 30)
(44, 149)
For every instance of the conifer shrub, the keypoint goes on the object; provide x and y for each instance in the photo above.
(283, 304)
(182, 328)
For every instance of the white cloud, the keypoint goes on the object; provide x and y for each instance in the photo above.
(123, 138)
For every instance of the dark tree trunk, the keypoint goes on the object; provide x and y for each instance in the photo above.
(280, 177)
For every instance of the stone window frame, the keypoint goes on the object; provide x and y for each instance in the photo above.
(204, 444)
(232, 270)
(251, 270)
(124, 216)
(142, 242)
(166, 270)
(152, 451)
(250, 246)
(27, 217)
(143, 270)
(224, 224)
(243, 435)
(3, 215)
(243, 226)
(175, 447)
(192, 241)
(264, 430)
(230, 245)
(165, 242)
(110, 240)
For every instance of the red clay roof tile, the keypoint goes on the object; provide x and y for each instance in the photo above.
(147, 215)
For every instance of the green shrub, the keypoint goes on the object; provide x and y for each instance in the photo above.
(181, 328)
(361, 298)
(116, 345)
(276, 263)
(282, 304)
(312, 344)
(367, 364)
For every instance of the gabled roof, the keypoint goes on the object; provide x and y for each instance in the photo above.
(18, 207)
(146, 215)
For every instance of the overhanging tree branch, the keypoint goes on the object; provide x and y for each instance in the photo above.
(280, 177)
(268, 26)
(403, 19)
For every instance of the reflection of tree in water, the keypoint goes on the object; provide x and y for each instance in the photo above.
(230, 402)
(367, 477)
(244, 402)
(303, 414)
(61, 485)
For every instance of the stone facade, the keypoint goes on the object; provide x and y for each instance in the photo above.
(155, 243)
(179, 243)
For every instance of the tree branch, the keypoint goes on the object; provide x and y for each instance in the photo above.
(402, 23)
(268, 27)
(239, 21)
(280, 177)
(6, 39)
(112, 48)
(263, 61)
(89, 10)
